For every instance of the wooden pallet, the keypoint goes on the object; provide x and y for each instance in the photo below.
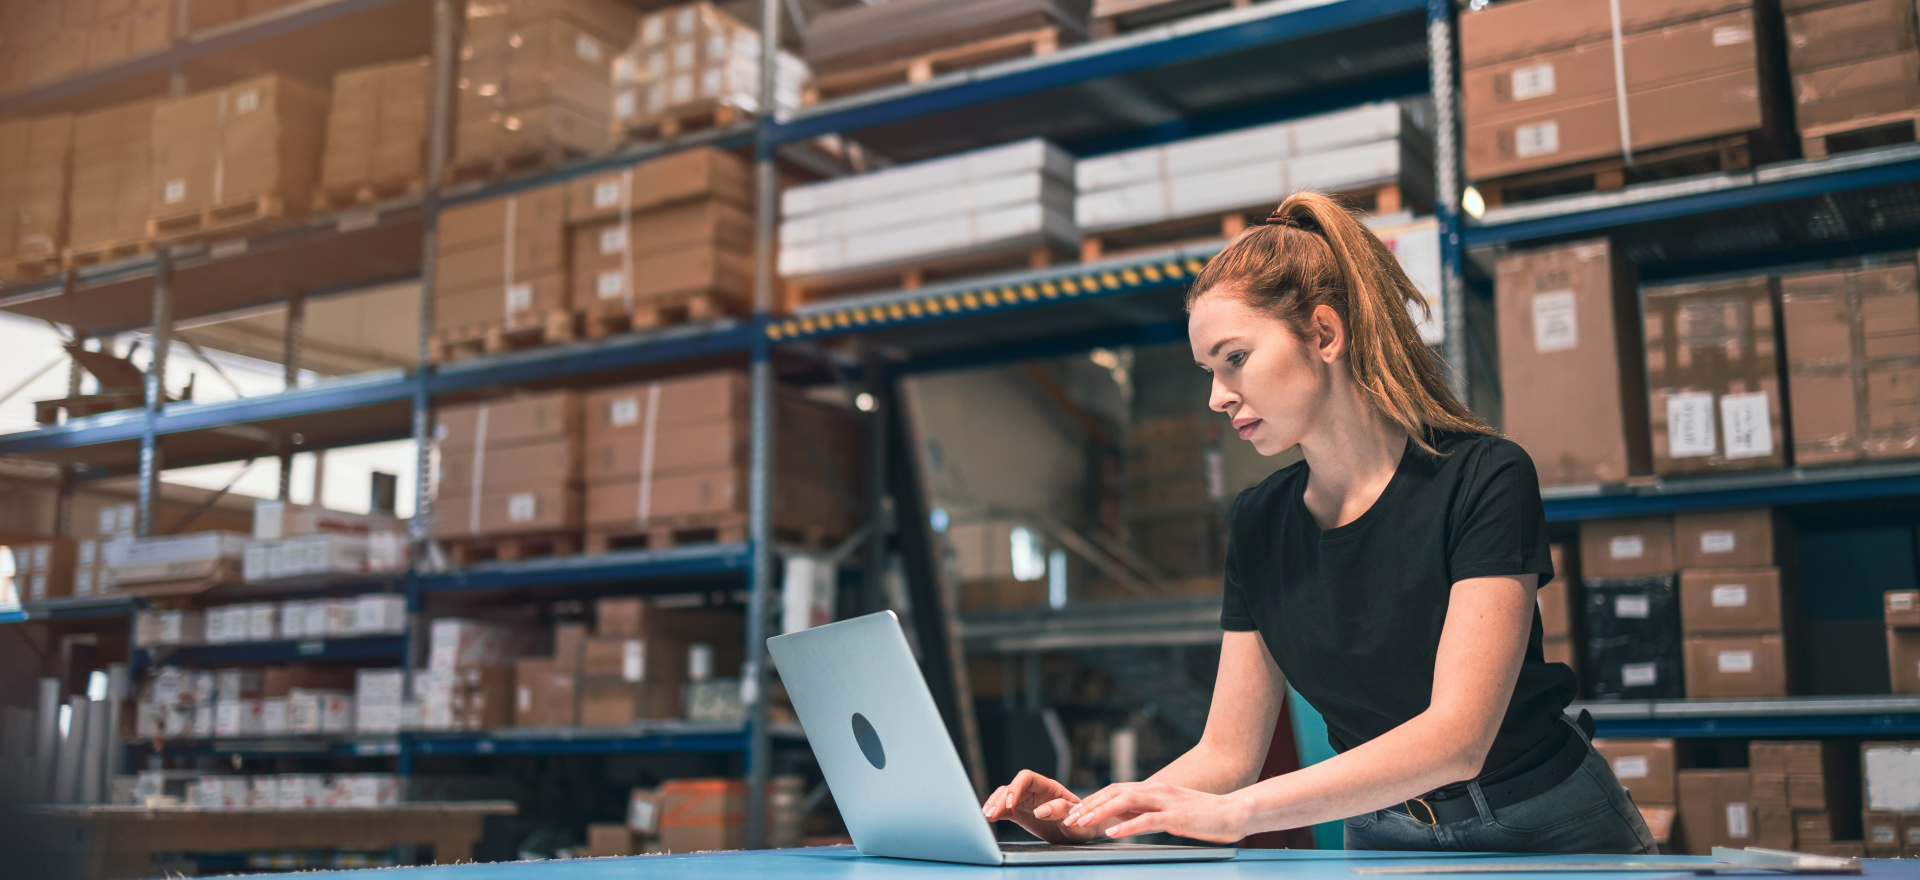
(1821, 141)
(506, 548)
(1380, 198)
(219, 220)
(1111, 18)
(912, 276)
(94, 254)
(474, 340)
(717, 528)
(925, 66)
(681, 120)
(1728, 153)
(497, 167)
(339, 198)
(30, 267)
(612, 316)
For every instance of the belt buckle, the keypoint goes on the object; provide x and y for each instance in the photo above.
(1432, 818)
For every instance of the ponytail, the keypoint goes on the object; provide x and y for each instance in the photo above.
(1313, 252)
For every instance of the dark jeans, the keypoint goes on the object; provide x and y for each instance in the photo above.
(1588, 812)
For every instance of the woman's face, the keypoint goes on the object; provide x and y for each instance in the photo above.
(1269, 380)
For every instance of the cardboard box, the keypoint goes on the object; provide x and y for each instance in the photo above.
(631, 617)
(1848, 32)
(1736, 666)
(1627, 547)
(1724, 538)
(616, 702)
(1812, 827)
(1714, 809)
(536, 76)
(1902, 607)
(1713, 377)
(690, 175)
(1730, 600)
(112, 159)
(610, 839)
(1903, 659)
(619, 261)
(1890, 775)
(259, 138)
(1659, 819)
(513, 421)
(1770, 791)
(1769, 757)
(1570, 331)
(643, 811)
(544, 696)
(1644, 766)
(1772, 826)
(1530, 27)
(1554, 598)
(1852, 339)
(377, 126)
(35, 173)
(702, 815)
(1632, 638)
(1839, 94)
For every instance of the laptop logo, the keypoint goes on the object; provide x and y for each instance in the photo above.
(869, 740)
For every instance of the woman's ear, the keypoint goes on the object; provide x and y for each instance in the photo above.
(1329, 333)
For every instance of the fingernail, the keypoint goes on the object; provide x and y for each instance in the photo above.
(1042, 812)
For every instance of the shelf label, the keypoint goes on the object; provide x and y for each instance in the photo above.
(1533, 82)
(633, 660)
(1555, 325)
(1630, 767)
(606, 193)
(1690, 424)
(1639, 674)
(624, 412)
(1749, 429)
(354, 221)
(310, 647)
(232, 247)
(1730, 596)
(613, 240)
(1717, 542)
(522, 506)
(1538, 139)
(1737, 820)
(1632, 606)
(1627, 547)
(1735, 662)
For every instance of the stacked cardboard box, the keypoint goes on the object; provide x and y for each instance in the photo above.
(1853, 363)
(637, 664)
(1855, 65)
(44, 568)
(509, 467)
(256, 141)
(696, 59)
(502, 261)
(1903, 640)
(112, 175)
(1556, 601)
(1374, 144)
(863, 47)
(1646, 768)
(1716, 809)
(1713, 376)
(1807, 781)
(35, 169)
(203, 557)
(122, 29)
(536, 77)
(102, 543)
(1012, 196)
(672, 455)
(377, 127)
(1177, 497)
(1631, 616)
(663, 231)
(1540, 87)
(1570, 372)
(1732, 604)
(1890, 785)
(985, 563)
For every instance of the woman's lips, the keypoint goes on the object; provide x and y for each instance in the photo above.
(1246, 430)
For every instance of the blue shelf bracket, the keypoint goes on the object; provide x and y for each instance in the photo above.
(1446, 191)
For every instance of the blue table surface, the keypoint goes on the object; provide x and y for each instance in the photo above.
(843, 862)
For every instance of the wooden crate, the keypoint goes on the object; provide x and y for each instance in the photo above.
(611, 317)
(339, 198)
(25, 268)
(925, 66)
(104, 252)
(1387, 197)
(236, 218)
(915, 274)
(662, 533)
(698, 116)
(1111, 18)
(494, 337)
(1726, 153)
(1821, 141)
(497, 167)
(507, 548)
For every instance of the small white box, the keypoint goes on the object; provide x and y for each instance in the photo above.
(273, 715)
(380, 614)
(300, 791)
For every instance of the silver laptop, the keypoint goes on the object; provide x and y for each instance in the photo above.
(893, 770)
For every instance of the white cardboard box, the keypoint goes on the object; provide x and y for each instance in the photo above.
(1029, 155)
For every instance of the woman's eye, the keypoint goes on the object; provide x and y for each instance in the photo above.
(1237, 358)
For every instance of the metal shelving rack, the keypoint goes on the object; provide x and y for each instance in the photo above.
(1270, 61)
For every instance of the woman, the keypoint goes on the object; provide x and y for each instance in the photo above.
(1391, 575)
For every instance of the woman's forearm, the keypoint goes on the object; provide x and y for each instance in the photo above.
(1423, 754)
(1208, 769)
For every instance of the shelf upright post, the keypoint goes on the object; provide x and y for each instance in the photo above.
(760, 602)
(290, 374)
(873, 581)
(156, 390)
(446, 38)
(1446, 190)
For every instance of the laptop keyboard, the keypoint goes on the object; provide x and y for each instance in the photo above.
(1083, 847)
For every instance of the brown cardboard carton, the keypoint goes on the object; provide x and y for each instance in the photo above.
(1570, 331)
(1550, 135)
(1812, 827)
(508, 512)
(1644, 766)
(112, 173)
(256, 139)
(1810, 757)
(1772, 826)
(1585, 73)
(1769, 790)
(1765, 756)
(488, 221)
(531, 299)
(1659, 819)
(152, 26)
(1714, 809)
(495, 265)
(561, 129)
(377, 128)
(1848, 32)
(1909, 835)
(543, 695)
(616, 702)
(1838, 94)
(1530, 27)
(606, 254)
(1556, 613)
(606, 839)
(1724, 538)
(1807, 791)
(530, 418)
(35, 172)
(1736, 666)
(464, 471)
(1730, 600)
(631, 617)
(1627, 547)
(569, 646)
(1902, 607)
(701, 815)
(109, 40)
(683, 176)
(1852, 344)
(1713, 376)
(1903, 658)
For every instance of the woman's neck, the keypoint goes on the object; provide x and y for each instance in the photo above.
(1351, 455)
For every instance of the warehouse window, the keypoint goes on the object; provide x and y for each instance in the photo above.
(1057, 579)
(1029, 561)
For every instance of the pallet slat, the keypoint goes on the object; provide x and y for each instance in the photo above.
(1726, 153)
(604, 320)
(1821, 141)
(1382, 198)
(473, 340)
(913, 275)
(227, 219)
(920, 68)
(337, 198)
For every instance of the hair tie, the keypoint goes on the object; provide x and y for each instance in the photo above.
(1281, 218)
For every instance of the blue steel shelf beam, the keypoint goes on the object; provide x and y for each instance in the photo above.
(620, 566)
(1893, 716)
(278, 651)
(678, 737)
(1858, 482)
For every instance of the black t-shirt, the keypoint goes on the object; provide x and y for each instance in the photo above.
(1353, 614)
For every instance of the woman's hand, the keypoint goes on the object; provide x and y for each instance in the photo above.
(1130, 808)
(1037, 804)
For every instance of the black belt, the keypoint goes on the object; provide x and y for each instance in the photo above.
(1454, 803)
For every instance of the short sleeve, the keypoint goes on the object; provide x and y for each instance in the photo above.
(1234, 616)
(1499, 525)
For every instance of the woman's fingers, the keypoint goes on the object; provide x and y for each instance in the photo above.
(1130, 801)
(995, 803)
(1097, 799)
(1055, 809)
(1141, 824)
(1018, 787)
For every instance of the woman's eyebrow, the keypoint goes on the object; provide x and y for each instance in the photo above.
(1216, 346)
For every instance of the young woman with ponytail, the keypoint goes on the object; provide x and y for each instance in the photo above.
(1389, 578)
